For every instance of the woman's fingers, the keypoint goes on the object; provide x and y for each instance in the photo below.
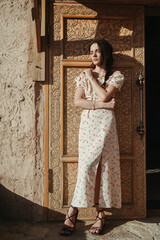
(88, 72)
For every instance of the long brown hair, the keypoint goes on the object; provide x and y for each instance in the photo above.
(106, 55)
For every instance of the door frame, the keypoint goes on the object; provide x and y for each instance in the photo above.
(46, 117)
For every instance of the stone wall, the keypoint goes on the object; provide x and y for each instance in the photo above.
(21, 116)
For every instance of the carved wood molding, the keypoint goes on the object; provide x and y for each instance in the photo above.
(112, 2)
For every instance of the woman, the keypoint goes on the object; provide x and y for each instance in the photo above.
(98, 182)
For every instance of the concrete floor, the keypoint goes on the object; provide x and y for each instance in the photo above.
(148, 228)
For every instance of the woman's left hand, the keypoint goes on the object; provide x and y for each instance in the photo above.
(89, 74)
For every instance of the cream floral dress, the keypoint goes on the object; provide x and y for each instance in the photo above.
(98, 139)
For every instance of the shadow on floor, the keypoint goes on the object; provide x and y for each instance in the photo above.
(16, 211)
(18, 216)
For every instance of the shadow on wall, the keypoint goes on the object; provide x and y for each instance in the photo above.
(15, 207)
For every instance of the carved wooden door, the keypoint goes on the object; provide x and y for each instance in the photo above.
(73, 28)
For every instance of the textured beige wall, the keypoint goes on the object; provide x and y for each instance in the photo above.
(21, 115)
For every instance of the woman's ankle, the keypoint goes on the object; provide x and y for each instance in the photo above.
(98, 208)
(75, 208)
(72, 210)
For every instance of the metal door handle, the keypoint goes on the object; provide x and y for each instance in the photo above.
(140, 83)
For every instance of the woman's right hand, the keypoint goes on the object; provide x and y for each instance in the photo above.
(110, 104)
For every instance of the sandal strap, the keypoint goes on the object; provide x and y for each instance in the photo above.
(100, 210)
(99, 219)
(68, 228)
(69, 217)
(97, 228)
(75, 214)
(75, 208)
(96, 204)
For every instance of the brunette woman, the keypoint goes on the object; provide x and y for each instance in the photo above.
(99, 181)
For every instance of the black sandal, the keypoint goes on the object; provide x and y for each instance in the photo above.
(100, 229)
(67, 230)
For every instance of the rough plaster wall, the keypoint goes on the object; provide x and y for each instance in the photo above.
(21, 115)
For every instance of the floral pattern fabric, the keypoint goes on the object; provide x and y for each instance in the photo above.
(98, 140)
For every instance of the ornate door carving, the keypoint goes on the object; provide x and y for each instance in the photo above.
(73, 27)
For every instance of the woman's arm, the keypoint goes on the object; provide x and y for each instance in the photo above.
(81, 102)
(104, 94)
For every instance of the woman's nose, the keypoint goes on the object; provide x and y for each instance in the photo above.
(94, 54)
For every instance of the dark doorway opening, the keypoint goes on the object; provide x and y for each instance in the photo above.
(152, 53)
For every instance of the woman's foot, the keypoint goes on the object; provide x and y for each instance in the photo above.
(70, 221)
(97, 227)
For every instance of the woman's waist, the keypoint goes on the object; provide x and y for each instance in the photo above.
(95, 97)
(97, 113)
(90, 98)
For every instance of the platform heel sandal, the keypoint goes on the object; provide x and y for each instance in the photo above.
(99, 229)
(67, 230)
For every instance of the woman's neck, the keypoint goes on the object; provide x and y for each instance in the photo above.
(100, 70)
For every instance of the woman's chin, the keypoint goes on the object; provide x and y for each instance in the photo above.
(96, 63)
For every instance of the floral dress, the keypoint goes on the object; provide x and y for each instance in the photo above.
(98, 140)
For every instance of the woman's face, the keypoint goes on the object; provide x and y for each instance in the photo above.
(95, 54)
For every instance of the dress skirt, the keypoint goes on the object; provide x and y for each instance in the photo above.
(98, 140)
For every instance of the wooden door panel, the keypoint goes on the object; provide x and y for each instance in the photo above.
(70, 176)
(71, 115)
(74, 27)
(79, 32)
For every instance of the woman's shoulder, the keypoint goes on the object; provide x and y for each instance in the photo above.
(81, 79)
(116, 73)
(116, 79)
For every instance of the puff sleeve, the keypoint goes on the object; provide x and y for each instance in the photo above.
(80, 81)
(117, 79)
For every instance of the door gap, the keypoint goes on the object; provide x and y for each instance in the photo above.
(152, 53)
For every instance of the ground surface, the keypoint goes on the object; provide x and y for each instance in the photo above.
(148, 228)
